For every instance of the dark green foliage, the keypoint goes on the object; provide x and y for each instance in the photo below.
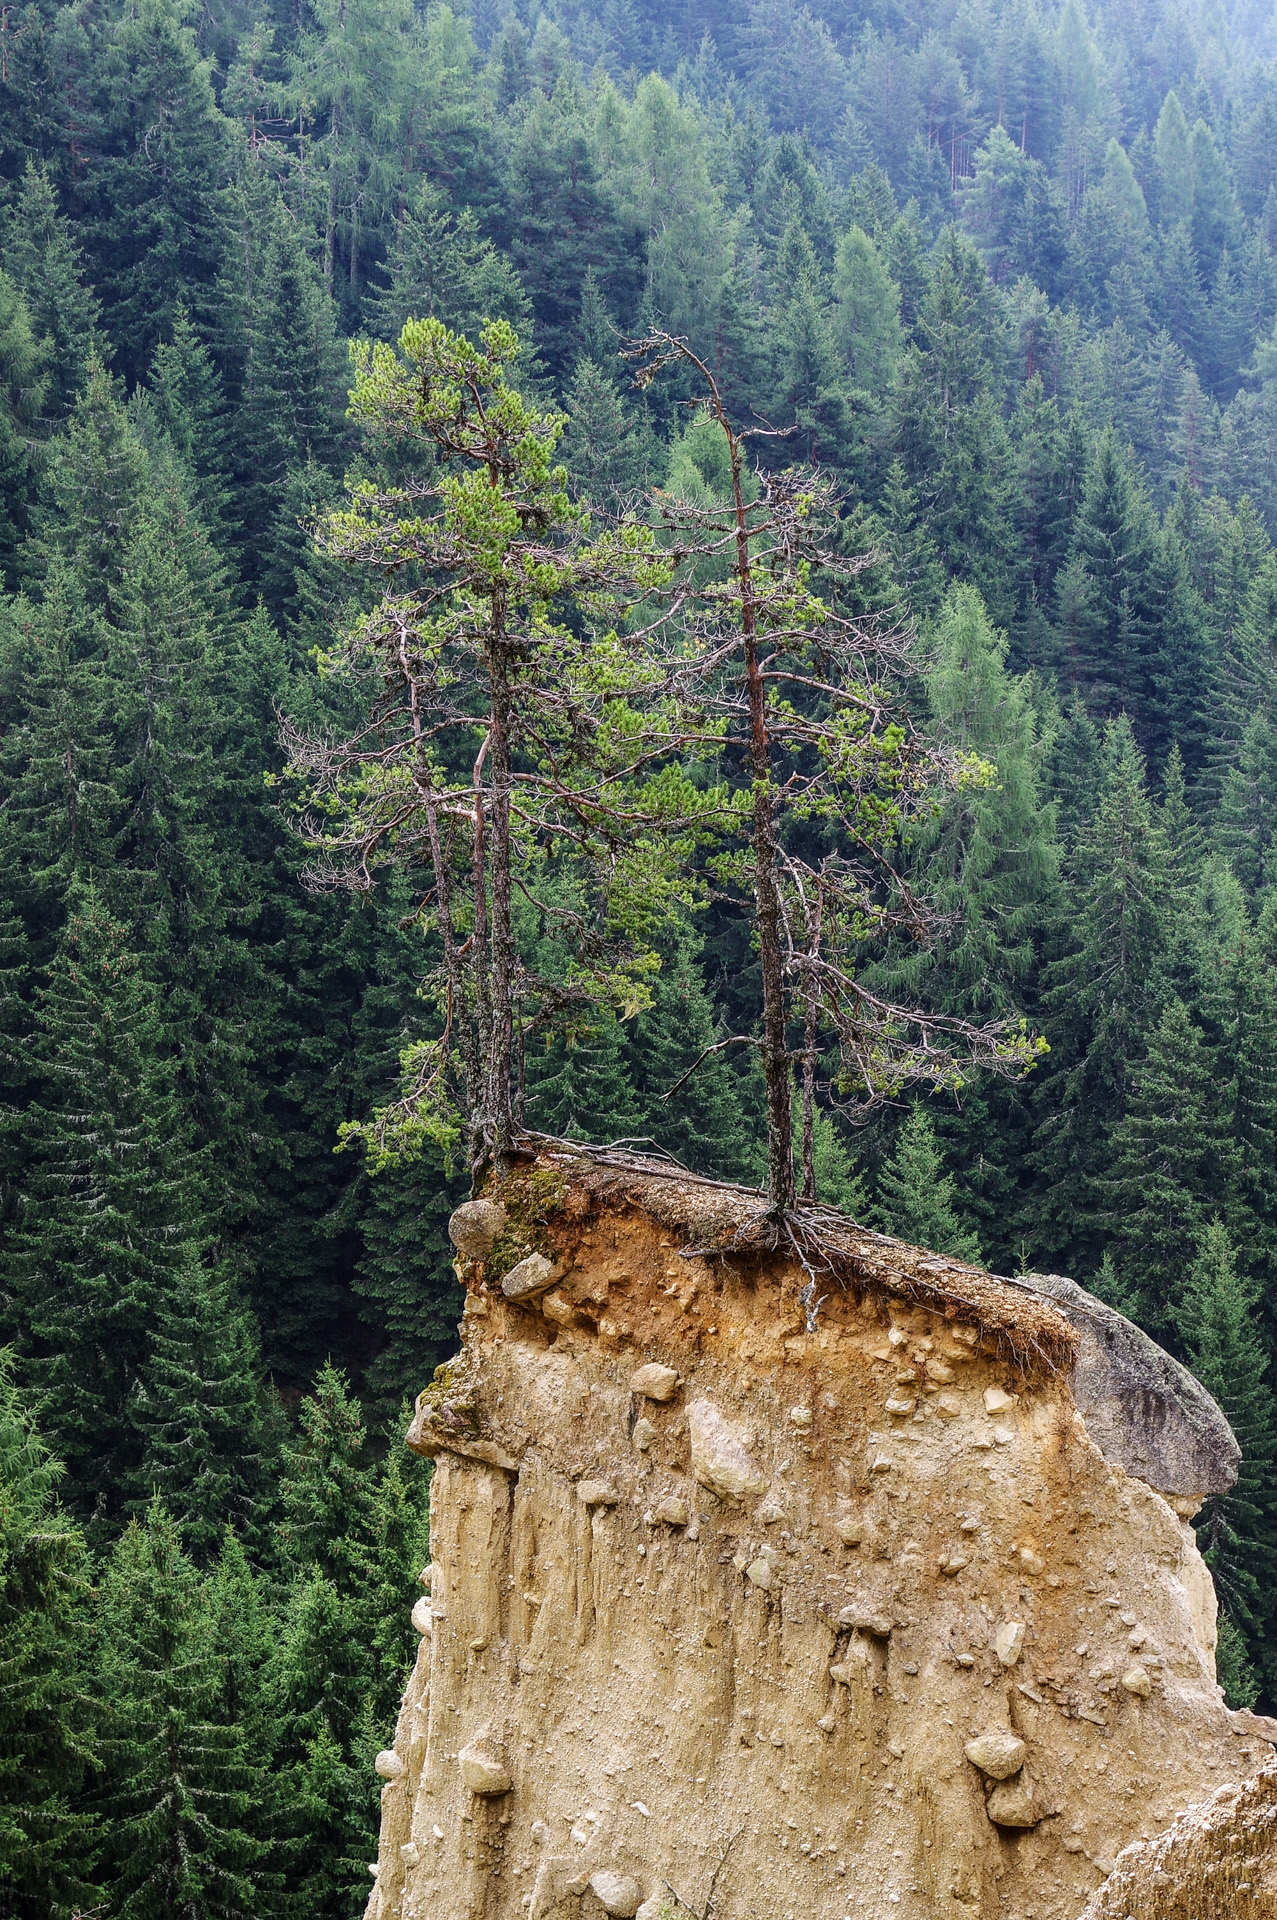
(48, 1841)
(43, 260)
(178, 1786)
(1240, 1528)
(916, 1195)
(156, 234)
(109, 1210)
(1020, 302)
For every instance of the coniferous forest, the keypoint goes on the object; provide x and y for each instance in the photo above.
(663, 571)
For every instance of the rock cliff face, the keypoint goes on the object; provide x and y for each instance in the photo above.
(1218, 1862)
(746, 1601)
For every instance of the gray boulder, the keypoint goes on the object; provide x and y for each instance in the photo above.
(1144, 1411)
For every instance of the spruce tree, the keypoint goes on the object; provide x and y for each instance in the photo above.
(603, 450)
(22, 390)
(440, 265)
(157, 233)
(988, 856)
(706, 1122)
(55, 756)
(48, 1841)
(1246, 821)
(175, 1793)
(1104, 940)
(916, 1197)
(326, 1670)
(398, 1547)
(1167, 1160)
(1238, 1530)
(40, 254)
(107, 1210)
(1109, 661)
(196, 1409)
(291, 402)
(405, 1278)
(184, 401)
(327, 1502)
(578, 1083)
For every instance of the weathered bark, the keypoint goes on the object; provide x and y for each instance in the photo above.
(501, 1052)
(780, 1142)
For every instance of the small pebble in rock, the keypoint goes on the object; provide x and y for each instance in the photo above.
(1008, 1642)
(999, 1753)
(483, 1770)
(616, 1893)
(760, 1573)
(530, 1278)
(1136, 1680)
(654, 1382)
(595, 1493)
(863, 1620)
(996, 1401)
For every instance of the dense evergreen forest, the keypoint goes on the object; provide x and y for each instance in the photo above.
(1003, 283)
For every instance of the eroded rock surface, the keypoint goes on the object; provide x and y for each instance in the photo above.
(1218, 1862)
(766, 1639)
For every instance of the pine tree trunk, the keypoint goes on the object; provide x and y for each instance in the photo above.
(502, 1049)
(780, 1142)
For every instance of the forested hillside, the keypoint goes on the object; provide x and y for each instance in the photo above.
(1001, 286)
